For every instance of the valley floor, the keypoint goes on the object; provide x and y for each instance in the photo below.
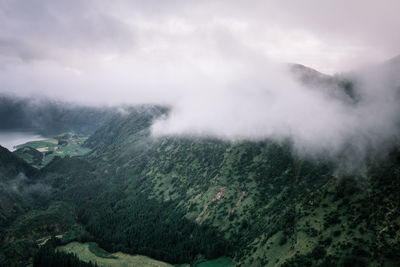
(90, 252)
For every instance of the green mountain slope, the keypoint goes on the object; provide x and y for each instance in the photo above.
(11, 165)
(14, 173)
(16, 192)
(125, 127)
(181, 200)
(28, 215)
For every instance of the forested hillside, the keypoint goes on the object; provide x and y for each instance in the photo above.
(183, 200)
(28, 214)
(267, 204)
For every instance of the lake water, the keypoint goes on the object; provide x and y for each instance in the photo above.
(9, 139)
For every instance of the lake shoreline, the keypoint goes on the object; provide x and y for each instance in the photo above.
(10, 139)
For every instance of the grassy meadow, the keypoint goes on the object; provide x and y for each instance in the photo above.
(63, 145)
(91, 252)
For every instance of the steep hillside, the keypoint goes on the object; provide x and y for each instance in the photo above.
(11, 165)
(183, 200)
(15, 176)
(125, 127)
(27, 214)
(16, 180)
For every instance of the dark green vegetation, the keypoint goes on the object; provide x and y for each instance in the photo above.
(31, 155)
(185, 200)
(40, 153)
(12, 178)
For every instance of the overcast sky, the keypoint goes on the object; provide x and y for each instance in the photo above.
(217, 63)
(46, 43)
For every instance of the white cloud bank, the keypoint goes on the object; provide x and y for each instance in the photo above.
(266, 102)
